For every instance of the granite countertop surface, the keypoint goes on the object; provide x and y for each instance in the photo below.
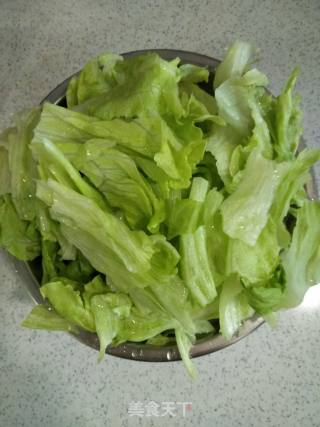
(271, 378)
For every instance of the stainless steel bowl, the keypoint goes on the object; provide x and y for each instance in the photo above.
(139, 351)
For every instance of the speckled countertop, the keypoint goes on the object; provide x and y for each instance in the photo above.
(271, 378)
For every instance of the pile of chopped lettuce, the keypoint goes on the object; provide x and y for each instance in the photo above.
(157, 204)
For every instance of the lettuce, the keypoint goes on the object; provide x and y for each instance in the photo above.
(98, 75)
(301, 259)
(44, 317)
(237, 59)
(155, 206)
(245, 211)
(196, 266)
(233, 308)
(117, 177)
(145, 84)
(19, 237)
(23, 171)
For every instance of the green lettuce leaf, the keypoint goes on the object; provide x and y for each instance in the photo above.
(23, 170)
(17, 236)
(148, 84)
(287, 116)
(254, 263)
(294, 176)
(183, 216)
(44, 317)
(184, 343)
(245, 211)
(234, 98)
(300, 261)
(138, 327)
(266, 297)
(65, 297)
(195, 265)
(54, 164)
(221, 143)
(236, 61)
(97, 76)
(193, 73)
(68, 207)
(108, 309)
(233, 307)
(115, 174)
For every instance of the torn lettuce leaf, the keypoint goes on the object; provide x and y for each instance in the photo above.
(246, 211)
(108, 309)
(301, 259)
(233, 308)
(193, 73)
(266, 297)
(148, 84)
(23, 170)
(195, 265)
(44, 317)
(237, 60)
(97, 76)
(221, 143)
(115, 174)
(19, 237)
(288, 116)
(65, 297)
(68, 207)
